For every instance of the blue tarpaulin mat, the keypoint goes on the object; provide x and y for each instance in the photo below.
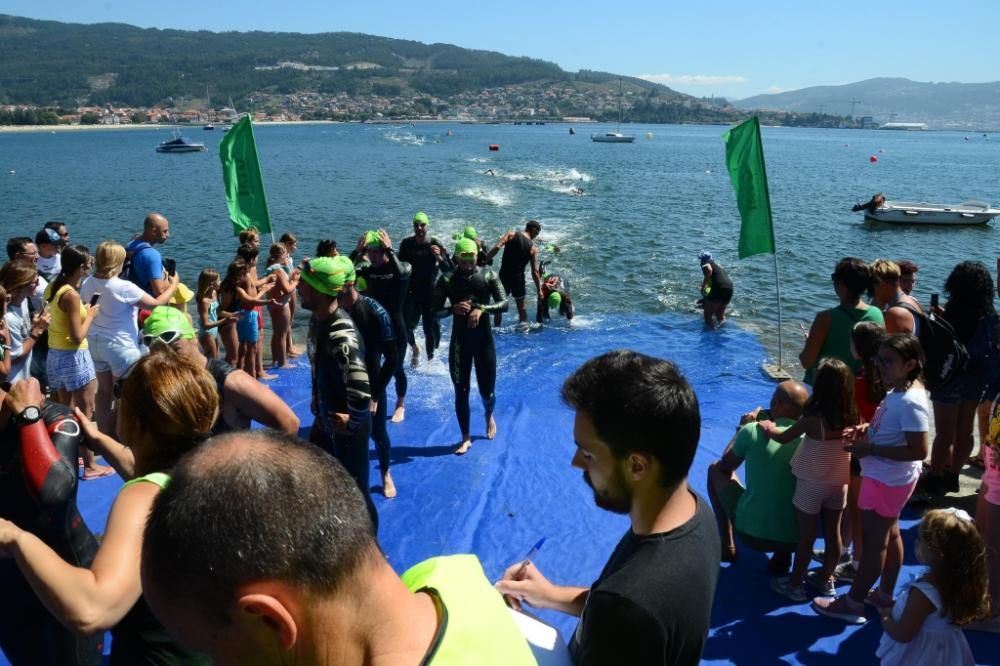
(505, 494)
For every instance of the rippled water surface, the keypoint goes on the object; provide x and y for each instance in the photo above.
(629, 243)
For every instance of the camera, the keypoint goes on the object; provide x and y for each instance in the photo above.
(171, 266)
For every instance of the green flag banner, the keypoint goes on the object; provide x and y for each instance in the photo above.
(745, 161)
(242, 178)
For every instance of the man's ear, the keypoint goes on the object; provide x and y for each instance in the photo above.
(639, 465)
(269, 614)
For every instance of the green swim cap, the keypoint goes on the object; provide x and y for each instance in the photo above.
(470, 232)
(373, 238)
(361, 284)
(465, 246)
(555, 299)
(421, 217)
(164, 319)
(324, 276)
(345, 265)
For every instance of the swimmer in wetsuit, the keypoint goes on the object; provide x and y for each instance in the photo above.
(376, 329)
(717, 289)
(426, 255)
(38, 482)
(387, 279)
(555, 297)
(469, 289)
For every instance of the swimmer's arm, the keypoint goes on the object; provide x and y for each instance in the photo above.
(390, 355)
(536, 271)
(259, 403)
(814, 341)
(500, 243)
(438, 305)
(499, 303)
(94, 599)
(918, 607)
(343, 338)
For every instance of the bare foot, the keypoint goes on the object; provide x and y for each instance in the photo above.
(265, 376)
(286, 366)
(388, 487)
(414, 356)
(295, 350)
(491, 428)
(399, 414)
(96, 471)
(464, 446)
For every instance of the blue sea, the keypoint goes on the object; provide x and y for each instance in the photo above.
(629, 244)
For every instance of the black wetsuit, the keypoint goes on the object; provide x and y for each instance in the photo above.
(420, 298)
(220, 370)
(471, 345)
(375, 326)
(38, 482)
(722, 286)
(483, 257)
(388, 285)
(542, 313)
(516, 255)
(340, 386)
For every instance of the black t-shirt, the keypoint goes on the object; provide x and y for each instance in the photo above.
(653, 601)
(720, 278)
(516, 254)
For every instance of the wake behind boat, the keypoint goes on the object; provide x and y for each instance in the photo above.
(922, 212)
(180, 144)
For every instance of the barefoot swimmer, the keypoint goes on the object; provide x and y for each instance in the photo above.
(470, 289)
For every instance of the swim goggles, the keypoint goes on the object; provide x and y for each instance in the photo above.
(166, 337)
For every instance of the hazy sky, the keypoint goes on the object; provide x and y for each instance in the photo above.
(713, 47)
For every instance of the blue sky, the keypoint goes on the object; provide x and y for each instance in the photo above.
(713, 47)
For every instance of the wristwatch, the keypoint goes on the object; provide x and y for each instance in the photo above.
(28, 415)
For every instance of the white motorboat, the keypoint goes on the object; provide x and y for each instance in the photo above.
(180, 144)
(912, 212)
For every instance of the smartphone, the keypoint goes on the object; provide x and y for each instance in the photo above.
(94, 299)
(171, 266)
(934, 300)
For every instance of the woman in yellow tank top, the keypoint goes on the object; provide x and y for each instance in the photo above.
(71, 370)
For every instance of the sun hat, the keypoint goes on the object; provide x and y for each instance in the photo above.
(323, 275)
(182, 295)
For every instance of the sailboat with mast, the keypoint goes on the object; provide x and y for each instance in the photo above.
(208, 112)
(616, 136)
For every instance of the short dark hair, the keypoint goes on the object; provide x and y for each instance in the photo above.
(55, 224)
(254, 505)
(247, 252)
(325, 247)
(855, 274)
(907, 267)
(16, 245)
(642, 404)
(533, 225)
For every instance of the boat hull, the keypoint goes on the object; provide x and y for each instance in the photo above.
(904, 212)
(181, 149)
(611, 138)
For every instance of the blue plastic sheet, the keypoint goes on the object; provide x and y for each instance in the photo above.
(505, 494)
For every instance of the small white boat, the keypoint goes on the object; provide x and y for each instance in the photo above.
(616, 136)
(180, 144)
(912, 212)
(612, 137)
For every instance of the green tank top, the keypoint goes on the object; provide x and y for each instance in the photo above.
(838, 337)
(159, 478)
(475, 626)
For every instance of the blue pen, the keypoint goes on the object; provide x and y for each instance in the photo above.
(527, 558)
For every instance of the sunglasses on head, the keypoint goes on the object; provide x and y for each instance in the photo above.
(166, 337)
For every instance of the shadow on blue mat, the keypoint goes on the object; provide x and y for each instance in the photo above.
(506, 494)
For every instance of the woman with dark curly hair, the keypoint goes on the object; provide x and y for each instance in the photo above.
(830, 333)
(970, 312)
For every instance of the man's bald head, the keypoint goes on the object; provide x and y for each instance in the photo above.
(788, 399)
(155, 229)
(253, 506)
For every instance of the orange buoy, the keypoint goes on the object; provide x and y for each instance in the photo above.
(873, 159)
(494, 146)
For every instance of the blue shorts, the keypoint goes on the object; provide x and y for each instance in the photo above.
(246, 328)
(70, 370)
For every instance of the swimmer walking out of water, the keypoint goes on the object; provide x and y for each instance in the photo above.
(470, 289)
(716, 288)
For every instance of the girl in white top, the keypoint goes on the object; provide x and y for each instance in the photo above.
(924, 625)
(890, 450)
(114, 332)
(821, 467)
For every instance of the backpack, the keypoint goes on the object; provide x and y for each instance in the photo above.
(944, 354)
(126, 273)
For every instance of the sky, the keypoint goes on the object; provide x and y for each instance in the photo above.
(728, 48)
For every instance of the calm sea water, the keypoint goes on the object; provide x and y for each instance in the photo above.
(630, 243)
